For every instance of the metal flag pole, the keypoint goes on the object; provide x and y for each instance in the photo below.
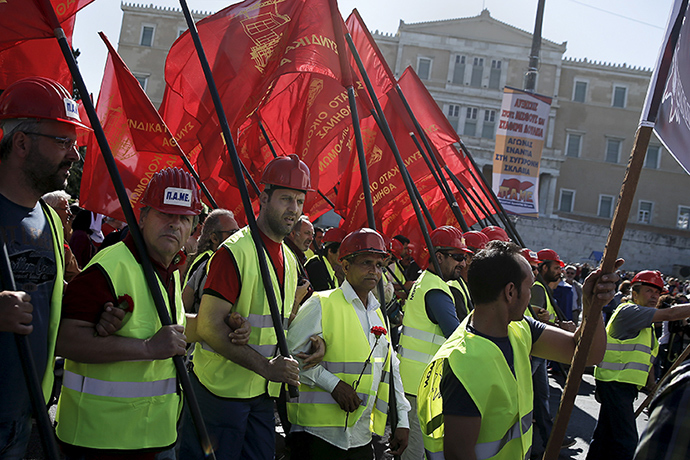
(239, 176)
(489, 193)
(385, 129)
(33, 382)
(147, 266)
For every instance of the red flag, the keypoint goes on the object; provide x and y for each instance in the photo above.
(24, 19)
(379, 73)
(249, 46)
(40, 57)
(138, 138)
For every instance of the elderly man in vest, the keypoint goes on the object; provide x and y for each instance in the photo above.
(39, 122)
(482, 372)
(345, 398)
(235, 386)
(630, 352)
(430, 317)
(119, 395)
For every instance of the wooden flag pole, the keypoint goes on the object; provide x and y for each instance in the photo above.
(613, 244)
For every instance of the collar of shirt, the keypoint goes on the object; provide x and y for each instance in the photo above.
(352, 297)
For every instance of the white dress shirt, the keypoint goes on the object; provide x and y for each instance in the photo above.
(307, 323)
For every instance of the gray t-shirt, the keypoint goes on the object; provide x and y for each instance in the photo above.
(630, 320)
(29, 241)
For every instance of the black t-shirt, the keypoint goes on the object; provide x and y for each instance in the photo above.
(456, 400)
(319, 277)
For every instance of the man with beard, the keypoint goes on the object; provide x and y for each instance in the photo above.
(39, 123)
(236, 385)
(430, 318)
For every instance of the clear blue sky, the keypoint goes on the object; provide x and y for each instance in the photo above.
(616, 31)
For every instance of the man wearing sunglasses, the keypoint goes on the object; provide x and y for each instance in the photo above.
(430, 318)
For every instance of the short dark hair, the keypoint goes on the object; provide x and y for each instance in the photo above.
(402, 238)
(332, 247)
(492, 269)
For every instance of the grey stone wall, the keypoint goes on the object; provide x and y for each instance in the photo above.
(575, 242)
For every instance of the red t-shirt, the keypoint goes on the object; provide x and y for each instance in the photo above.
(86, 294)
(223, 279)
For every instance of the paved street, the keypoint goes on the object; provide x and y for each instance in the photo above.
(581, 424)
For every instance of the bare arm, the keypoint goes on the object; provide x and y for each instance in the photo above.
(188, 298)
(674, 313)
(78, 342)
(559, 345)
(461, 435)
(212, 329)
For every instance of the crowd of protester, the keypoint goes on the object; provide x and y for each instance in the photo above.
(377, 329)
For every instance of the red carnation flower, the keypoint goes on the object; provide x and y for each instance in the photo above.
(378, 331)
(125, 303)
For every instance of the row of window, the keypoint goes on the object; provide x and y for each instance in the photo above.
(464, 72)
(612, 153)
(470, 122)
(619, 96)
(607, 204)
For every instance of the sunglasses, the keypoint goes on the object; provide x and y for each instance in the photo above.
(458, 257)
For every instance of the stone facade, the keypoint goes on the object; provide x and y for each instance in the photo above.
(465, 63)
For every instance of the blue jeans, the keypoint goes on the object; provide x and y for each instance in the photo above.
(542, 393)
(14, 437)
(238, 428)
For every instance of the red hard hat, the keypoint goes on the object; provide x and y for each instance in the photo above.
(39, 97)
(546, 255)
(397, 248)
(173, 191)
(287, 172)
(362, 240)
(651, 277)
(475, 240)
(448, 237)
(333, 235)
(530, 255)
(496, 233)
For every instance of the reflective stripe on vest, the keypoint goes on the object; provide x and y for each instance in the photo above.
(504, 400)
(136, 400)
(420, 338)
(218, 374)
(629, 360)
(97, 387)
(489, 449)
(347, 350)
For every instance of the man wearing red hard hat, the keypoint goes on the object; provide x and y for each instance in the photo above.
(131, 367)
(630, 352)
(345, 398)
(39, 121)
(431, 316)
(235, 386)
